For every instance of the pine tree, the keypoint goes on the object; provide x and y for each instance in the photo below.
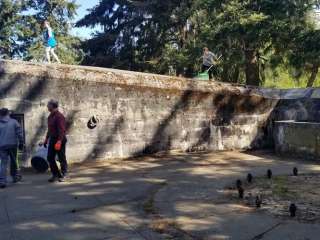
(10, 29)
(253, 28)
(158, 35)
(59, 13)
(134, 33)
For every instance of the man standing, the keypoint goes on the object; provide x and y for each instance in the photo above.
(208, 61)
(11, 138)
(56, 141)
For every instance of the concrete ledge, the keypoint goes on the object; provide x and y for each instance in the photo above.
(114, 76)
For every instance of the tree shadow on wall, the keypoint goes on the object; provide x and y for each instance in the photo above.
(32, 94)
(40, 132)
(161, 140)
(225, 108)
(228, 109)
(10, 85)
(105, 137)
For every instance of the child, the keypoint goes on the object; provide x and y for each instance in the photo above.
(50, 42)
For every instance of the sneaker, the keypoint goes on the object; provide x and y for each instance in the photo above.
(17, 179)
(3, 186)
(65, 175)
(62, 179)
(53, 179)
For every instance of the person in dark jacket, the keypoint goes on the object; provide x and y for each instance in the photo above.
(11, 138)
(56, 142)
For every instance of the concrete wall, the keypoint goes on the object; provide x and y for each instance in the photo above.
(298, 139)
(140, 113)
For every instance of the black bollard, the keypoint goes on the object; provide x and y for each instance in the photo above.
(269, 173)
(241, 192)
(258, 202)
(249, 178)
(238, 183)
(293, 210)
(295, 172)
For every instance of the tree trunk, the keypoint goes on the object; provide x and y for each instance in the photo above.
(235, 75)
(225, 73)
(252, 68)
(314, 73)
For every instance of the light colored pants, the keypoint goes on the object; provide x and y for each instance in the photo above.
(4, 161)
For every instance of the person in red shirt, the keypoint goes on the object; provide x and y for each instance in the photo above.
(56, 141)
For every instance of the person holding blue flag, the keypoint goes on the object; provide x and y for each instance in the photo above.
(50, 42)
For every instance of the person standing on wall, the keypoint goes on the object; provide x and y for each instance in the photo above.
(56, 142)
(208, 61)
(11, 138)
(50, 42)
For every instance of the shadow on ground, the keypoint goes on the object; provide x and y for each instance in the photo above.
(175, 196)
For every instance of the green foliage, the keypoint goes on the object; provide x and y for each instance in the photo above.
(10, 28)
(59, 13)
(252, 30)
(156, 36)
(271, 43)
(136, 34)
(21, 31)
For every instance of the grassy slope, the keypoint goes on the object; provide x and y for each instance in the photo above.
(283, 80)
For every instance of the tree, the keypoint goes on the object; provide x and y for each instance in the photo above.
(135, 34)
(10, 29)
(160, 35)
(304, 53)
(254, 28)
(59, 13)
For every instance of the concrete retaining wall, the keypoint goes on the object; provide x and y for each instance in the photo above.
(140, 113)
(300, 139)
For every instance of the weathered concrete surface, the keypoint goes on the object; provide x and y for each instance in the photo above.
(145, 113)
(297, 138)
(179, 194)
(140, 113)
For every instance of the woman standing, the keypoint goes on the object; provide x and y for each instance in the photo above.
(50, 42)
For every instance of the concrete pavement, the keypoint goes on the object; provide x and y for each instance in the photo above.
(176, 196)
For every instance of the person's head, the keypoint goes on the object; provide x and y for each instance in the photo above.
(46, 24)
(205, 49)
(53, 105)
(4, 112)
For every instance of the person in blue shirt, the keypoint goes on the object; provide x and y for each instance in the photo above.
(50, 42)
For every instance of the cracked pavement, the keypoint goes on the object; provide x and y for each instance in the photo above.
(107, 200)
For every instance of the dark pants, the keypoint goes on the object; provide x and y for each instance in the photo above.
(210, 72)
(6, 156)
(14, 165)
(52, 153)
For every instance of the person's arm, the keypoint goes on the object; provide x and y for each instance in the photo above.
(49, 32)
(215, 58)
(61, 127)
(47, 138)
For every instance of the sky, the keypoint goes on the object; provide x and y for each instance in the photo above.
(82, 11)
